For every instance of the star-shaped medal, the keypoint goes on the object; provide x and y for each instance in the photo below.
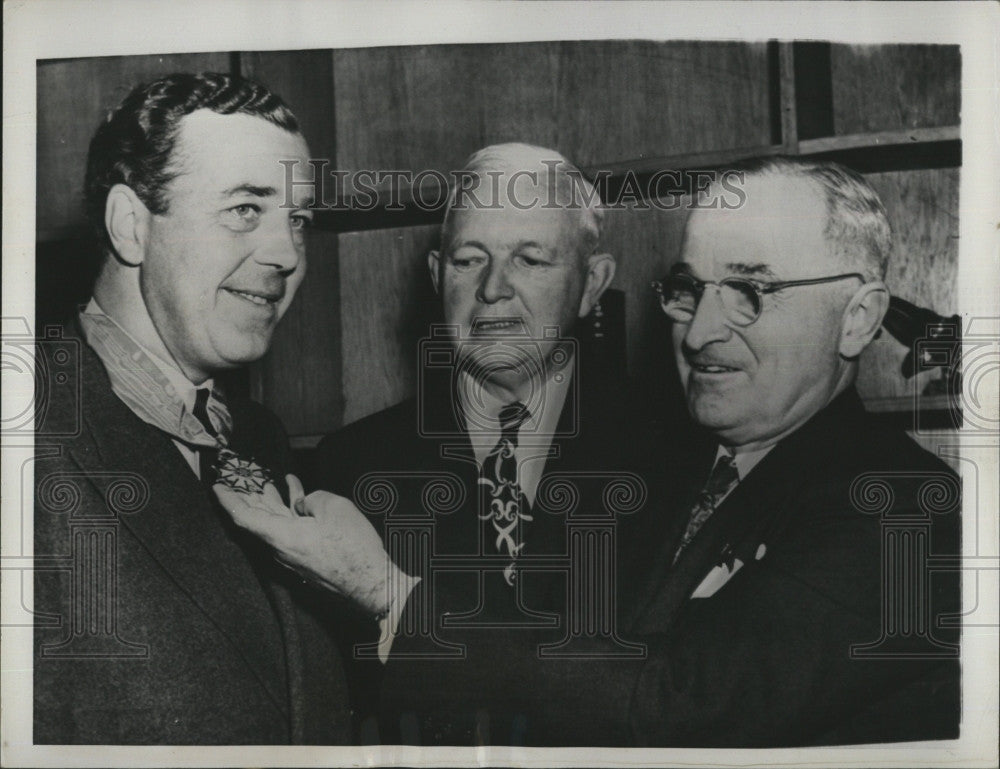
(242, 475)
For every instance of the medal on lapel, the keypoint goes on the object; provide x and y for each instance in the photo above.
(242, 475)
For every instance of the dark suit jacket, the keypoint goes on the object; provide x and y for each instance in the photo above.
(843, 508)
(452, 700)
(158, 622)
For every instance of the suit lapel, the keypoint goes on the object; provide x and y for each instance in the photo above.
(721, 537)
(662, 593)
(180, 529)
(752, 513)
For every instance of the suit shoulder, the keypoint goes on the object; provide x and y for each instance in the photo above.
(342, 455)
(253, 415)
(889, 447)
(389, 423)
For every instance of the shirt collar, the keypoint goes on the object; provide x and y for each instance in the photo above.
(745, 461)
(183, 386)
(483, 415)
(155, 390)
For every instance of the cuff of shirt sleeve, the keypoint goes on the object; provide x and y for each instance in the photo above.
(388, 624)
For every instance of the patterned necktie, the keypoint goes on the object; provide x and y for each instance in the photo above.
(723, 478)
(504, 504)
(207, 455)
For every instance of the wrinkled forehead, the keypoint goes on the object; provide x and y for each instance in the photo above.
(778, 222)
(508, 222)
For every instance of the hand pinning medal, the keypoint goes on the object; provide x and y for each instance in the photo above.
(245, 476)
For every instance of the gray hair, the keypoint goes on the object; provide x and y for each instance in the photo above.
(857, 226)
(567, 185)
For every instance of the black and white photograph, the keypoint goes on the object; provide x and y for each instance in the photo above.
(500, 383)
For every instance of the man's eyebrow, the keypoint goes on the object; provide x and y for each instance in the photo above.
(465, 243)
(250, 189)
(754, 269)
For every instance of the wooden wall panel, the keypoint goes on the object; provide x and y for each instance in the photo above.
(348, 345)
(301, 378)
(386, 301)
(304, 81)
(429, 107)
(645, 242)
(923, 211)
(888, 87)
(74, 95)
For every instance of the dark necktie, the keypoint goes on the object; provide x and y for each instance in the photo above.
(721, 481)
(504, 504)
(207, 455)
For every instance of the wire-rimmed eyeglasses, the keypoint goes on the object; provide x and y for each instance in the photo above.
(742, 299)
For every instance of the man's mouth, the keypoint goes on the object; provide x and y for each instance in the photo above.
(260, 298)
(712, 368)
(485, 326)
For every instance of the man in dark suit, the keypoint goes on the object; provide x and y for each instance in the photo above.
(515, 277)
(158, 621)
(793, 602)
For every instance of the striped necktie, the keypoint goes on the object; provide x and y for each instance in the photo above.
(721, 481)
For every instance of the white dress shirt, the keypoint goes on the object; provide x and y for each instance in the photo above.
(745, 461)
(534, 438)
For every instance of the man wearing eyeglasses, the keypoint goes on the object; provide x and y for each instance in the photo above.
(786, 609)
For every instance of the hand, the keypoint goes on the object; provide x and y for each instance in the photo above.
(325, 539)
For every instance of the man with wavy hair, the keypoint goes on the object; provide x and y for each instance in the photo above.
(172, 627)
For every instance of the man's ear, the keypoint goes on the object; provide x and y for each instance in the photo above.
(863, 318)
(126, 219)
(434, 265)
(600, 273)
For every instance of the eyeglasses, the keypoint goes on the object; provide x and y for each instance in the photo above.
(742, 299)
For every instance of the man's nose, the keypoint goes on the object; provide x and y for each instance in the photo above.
(709, 322)
(494, 285)
(282, 249)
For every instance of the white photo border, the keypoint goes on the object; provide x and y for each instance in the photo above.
(44, 29)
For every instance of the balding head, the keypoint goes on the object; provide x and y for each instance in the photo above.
(855, 223)
(524, 176)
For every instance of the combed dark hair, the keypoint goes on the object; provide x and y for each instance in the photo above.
(135, 143)
(857, 225)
